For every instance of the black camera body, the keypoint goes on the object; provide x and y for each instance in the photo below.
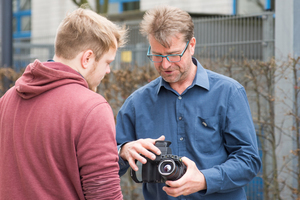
(166, 166)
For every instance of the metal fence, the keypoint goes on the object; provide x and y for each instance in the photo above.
(231, 37)
(26, 52)
(251, 37)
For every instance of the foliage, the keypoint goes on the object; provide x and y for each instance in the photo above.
(7, 78)
(119, 84)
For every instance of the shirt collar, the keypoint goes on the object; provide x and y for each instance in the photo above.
(201, 78)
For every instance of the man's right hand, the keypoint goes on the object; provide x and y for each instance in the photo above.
(132, 151)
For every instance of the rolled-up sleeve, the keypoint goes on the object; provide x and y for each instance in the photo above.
(97, 155)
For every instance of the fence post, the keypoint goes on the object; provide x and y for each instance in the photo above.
(268, 37)
(6, 36)
(287, 26)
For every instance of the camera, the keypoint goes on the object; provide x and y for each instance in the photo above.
(166, 166)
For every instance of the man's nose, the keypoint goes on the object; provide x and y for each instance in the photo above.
(108, 70)
(165, 63)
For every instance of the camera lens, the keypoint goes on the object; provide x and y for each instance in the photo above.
(170, 170)
(167, 168)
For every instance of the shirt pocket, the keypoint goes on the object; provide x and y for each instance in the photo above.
(207, 134)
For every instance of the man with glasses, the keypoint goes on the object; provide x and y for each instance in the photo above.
(205, 115)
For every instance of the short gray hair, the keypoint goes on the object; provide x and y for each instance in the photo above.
(164, 22)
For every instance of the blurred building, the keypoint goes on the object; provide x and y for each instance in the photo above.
(35, 21)
(39, 18)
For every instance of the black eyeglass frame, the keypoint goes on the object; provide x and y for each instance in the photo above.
(167, 56)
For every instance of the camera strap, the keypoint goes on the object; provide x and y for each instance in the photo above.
(133, 176)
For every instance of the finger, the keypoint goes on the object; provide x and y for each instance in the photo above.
(136, 157)
(147, 153)
(132, 164)
(175, 184)
(151, 146)
(161, 138)
(133, 149)
(186, 161)
(148, 148)
(174, 192)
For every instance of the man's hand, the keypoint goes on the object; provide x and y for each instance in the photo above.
(131, 151)
(192, 181)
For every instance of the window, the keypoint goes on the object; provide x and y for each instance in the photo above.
(119, 6)
(21, 19)
(127, 6)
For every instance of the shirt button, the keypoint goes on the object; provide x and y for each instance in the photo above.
(180, 118)
(181, 138)
(204, 124)
(179, 97)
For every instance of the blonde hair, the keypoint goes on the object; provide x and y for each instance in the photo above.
(84, 29)
(164, 22)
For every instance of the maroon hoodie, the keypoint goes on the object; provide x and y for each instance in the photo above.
(57, 138)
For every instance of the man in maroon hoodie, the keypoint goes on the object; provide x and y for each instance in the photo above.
(57, 136)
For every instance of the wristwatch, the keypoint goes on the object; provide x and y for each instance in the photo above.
(119, 150)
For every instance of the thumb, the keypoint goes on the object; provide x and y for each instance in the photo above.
(186, 161)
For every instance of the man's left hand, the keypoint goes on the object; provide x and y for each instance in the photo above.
(192, 181)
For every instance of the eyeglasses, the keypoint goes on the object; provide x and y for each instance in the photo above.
(171, 58)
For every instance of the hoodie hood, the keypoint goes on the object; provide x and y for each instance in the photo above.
(41, 77)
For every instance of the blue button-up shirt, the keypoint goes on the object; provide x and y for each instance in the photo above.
(210, 123)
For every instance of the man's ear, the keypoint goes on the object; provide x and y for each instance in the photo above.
(86, 58)
(193, 45)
